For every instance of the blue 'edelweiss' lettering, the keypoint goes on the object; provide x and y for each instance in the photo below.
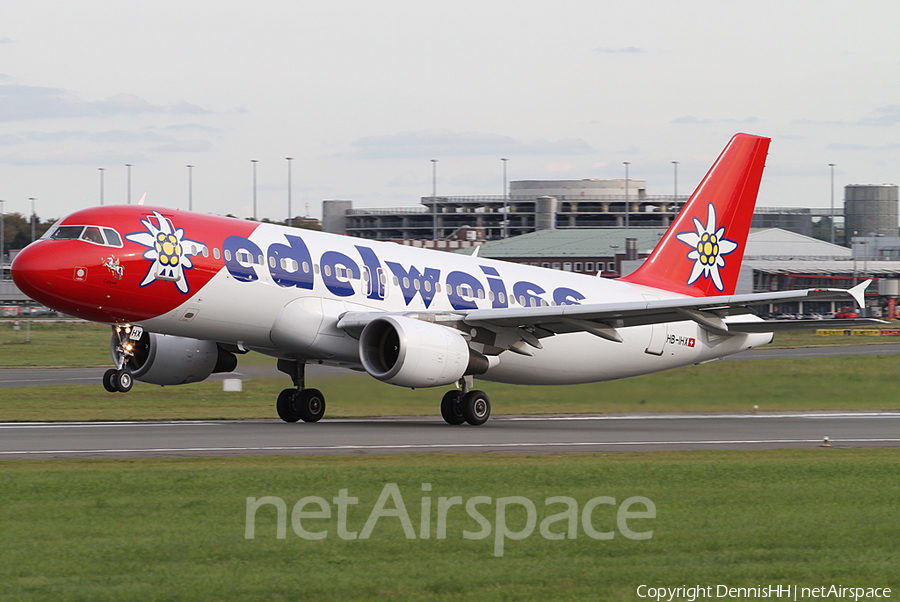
(291, 265)
(337, 271)
(463, 289)
(497, 287)
(296, 253)
(529, 294)
(412, 282)
(236, 249)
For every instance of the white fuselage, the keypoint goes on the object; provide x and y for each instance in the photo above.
(283, 291)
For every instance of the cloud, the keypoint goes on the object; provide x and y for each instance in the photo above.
(6, 41)
(105, 137)
(863, 147)
(626, 50)
(194, 127)
(74, 157)
(888, 115)
(691, 120)
(184, 146)
(815, 122)
(432, 144)
(20, 103)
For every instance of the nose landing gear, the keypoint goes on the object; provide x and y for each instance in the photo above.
(120, 380)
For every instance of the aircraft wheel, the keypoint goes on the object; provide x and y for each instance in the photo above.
(476, 407)
(109, 380)
(123, 380)
(450, 408)
(287, 408)
(310, 404)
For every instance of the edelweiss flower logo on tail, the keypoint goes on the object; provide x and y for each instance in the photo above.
(709, 246)
(169, 251)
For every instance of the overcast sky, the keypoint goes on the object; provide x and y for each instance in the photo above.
(364, 94)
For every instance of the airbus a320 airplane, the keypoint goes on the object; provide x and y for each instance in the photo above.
(186, 292)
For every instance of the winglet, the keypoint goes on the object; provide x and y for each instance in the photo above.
(475, 251)
(143, 198)
(858, 292)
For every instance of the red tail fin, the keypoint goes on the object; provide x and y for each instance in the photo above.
(700, 255)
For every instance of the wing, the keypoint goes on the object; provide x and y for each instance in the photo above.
(514, 329)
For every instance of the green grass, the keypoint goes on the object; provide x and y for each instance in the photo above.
(70, 344)
(846, 383)
(175, 529)
(80, 344)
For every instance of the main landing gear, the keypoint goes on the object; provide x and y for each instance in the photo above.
(301, 403)
(464, 405)
(308, 405)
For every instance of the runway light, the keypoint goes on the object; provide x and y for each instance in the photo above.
(755, 408)
(826, 443)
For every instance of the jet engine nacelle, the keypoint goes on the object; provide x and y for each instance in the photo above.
(161, 359)
(412, 353)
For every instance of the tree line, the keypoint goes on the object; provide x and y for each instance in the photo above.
(17, 231)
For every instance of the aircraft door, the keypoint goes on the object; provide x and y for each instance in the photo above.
(658, 333)
(375, 284)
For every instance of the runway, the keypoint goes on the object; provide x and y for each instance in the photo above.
(515, 434)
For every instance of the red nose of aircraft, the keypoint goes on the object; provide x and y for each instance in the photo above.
(43, 272)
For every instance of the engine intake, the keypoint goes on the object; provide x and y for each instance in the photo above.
(161, 359)
(411, 353)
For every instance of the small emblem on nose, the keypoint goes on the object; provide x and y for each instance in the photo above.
(80, 274)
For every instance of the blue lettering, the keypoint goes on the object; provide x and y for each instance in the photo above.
(412, 282)
(297, 253)
(497, 287)
(334, 262)
(235, 246)
(461, 285)
(528, 294)
(567, 296)
(375, 287)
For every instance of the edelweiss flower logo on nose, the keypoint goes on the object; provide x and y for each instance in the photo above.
(709, 246)
(169, 251)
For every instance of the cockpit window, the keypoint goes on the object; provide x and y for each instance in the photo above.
(93, 234)
(112, 237)
(67, 233)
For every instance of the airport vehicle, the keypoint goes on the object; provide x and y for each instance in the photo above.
(846, 313)
(186, 293)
